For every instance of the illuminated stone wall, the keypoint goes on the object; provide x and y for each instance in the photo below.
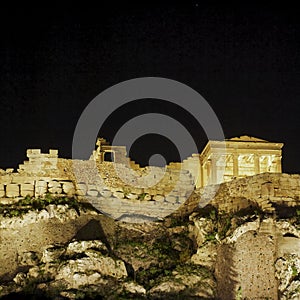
(96, 178)
(264, 190)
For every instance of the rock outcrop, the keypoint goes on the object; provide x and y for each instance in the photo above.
(64, 249)
(138, 261)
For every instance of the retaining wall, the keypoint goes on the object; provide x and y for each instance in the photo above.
(46, 173)
(263, 190)
(99, 183)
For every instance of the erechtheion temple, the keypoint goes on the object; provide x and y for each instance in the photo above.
(242, 156)
(220, 161)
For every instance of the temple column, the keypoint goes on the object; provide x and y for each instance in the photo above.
(256, 164)
(235, 165)
(213, 169)
(278, 163)
(208, 171)
(203, 174)
(221, 168)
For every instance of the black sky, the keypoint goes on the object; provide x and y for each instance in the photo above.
(244, 60)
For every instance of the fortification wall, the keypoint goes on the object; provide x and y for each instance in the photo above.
(103, 182)
(100, 183)
(40, 163)
(13, 187)
(262, 190)
(193, 165)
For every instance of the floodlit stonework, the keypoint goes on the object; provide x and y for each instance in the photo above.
(220, 161)
(242, 156)
(236, 236)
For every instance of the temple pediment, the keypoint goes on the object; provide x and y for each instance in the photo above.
(247, 138)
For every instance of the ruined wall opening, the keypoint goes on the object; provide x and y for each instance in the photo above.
(109, 156)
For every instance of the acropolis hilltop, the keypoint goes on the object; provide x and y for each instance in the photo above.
(239, 156)
(221, 224)
(220, 161)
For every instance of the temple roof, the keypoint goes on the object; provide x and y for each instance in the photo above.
(247, 138)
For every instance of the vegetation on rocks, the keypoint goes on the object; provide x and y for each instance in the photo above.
(143, 261)
(170, 259)
(29, 203)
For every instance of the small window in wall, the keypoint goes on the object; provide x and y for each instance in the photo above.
(109, 156)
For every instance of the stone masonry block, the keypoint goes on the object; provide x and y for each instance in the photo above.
(137, 190)
(147, 197)
(2, 192)
(152, 191)
(12, 190)
(34, 151)
(93, 193)
(190, 182)
(92, 187)
(119, 195)
(294, 183)
(106, 193)
(171, 198)
(55, 190)
(132, 196)
(54, 184)
(81, 189)
(53, 152)
(40, 188)
(68, 188)
(27, 189)
(159, 198)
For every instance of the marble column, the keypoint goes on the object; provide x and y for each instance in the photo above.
(235, 165)
(278, 163)
(208, 171)
(202, 170)
(214, 160)
(256, 164)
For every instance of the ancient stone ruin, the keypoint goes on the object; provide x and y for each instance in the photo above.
(105, 179)
(229, 212)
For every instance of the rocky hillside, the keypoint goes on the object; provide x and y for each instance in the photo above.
(62, 249)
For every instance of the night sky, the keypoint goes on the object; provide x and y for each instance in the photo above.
(243, 60)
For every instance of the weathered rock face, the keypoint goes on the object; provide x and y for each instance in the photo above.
(250, 266)
(33, 230)
(70, 267)
(139, 261)
(253, 254)
(260, 260)
(71, 252)
(287, 270)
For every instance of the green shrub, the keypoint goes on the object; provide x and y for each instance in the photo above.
(210, 237)
(294, 271)
(224, 225)
(28, 202)
(142, 196)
